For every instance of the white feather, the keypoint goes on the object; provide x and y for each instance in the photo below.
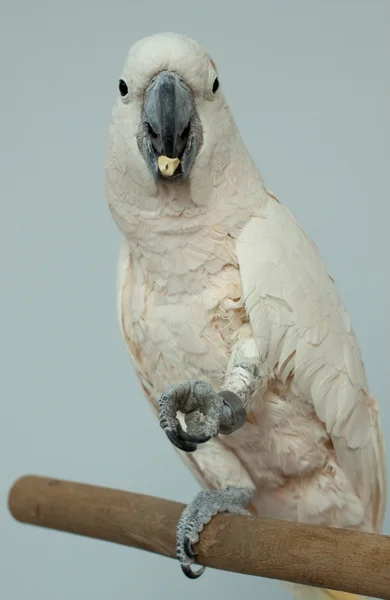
(339, 390)
(217, 259)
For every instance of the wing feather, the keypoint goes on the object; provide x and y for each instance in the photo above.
(302, 328)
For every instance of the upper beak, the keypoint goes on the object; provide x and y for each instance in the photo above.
(168, 110)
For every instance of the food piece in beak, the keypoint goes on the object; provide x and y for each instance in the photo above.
(167, 165)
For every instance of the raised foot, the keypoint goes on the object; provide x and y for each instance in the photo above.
(207, 413)
(200, 512)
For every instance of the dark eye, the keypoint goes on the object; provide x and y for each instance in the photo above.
(123, 89)
(215, 85)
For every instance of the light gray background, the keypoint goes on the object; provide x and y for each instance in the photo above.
(308, 82)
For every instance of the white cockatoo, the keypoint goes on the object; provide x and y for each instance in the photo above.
(236, 330)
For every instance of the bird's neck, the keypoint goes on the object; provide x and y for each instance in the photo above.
(220, 187)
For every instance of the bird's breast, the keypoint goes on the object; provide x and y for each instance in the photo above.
(185, 332)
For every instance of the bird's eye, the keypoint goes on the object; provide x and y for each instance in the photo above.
(212, 85)
(123, 89)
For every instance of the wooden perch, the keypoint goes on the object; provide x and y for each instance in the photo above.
(332, 558)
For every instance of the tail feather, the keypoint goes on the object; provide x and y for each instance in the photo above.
(303, 592)
(333, 595)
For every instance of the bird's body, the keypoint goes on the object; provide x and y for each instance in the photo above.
(215, 274)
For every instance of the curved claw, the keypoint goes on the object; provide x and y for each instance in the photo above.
(237, 411)
(179, 443)
(190, 573)
(185, 441)
(196, 439)
(188, 549)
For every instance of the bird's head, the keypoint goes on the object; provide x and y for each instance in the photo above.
(169, 107)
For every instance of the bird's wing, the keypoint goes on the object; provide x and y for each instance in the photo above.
(302, 329)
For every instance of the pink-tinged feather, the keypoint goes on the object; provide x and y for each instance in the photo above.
(219, 258)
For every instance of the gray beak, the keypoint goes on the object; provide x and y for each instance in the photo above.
(170, 126)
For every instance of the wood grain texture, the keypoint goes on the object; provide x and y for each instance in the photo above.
(332, 558)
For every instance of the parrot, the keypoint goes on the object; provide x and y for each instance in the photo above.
(235, 329)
